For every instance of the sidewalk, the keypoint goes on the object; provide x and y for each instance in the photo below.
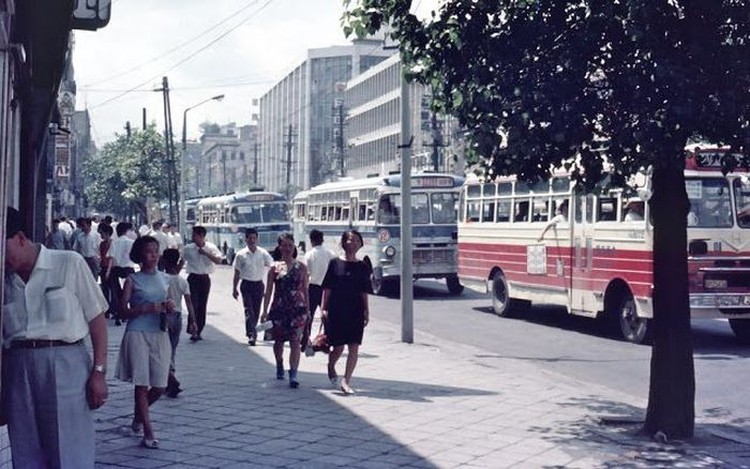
(431, 404)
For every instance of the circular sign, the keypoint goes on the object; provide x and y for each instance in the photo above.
(384, 235)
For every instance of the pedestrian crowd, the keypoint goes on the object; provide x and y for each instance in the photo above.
(59, 292)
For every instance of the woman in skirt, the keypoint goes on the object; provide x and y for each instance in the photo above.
(145, 350)
(345, 307)
(287, 280)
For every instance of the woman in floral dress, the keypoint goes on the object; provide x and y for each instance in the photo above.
(287, 281)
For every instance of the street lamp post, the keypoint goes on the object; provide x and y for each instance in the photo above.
(182, 159)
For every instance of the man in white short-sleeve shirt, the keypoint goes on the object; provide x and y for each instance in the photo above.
(87, 244)
(250, 265)
(49, 383)
(120, 265)
(317, 260)
(200, 257)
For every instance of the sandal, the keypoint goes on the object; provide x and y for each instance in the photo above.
(346, 389)
(150, 444)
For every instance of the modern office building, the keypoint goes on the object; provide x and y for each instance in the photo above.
(372, 131)
(300, 117)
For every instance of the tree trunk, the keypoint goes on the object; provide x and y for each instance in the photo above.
(671, 402)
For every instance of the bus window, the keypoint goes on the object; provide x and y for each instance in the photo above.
(488, 190)
(710, 205)
(590, 208)
(363, 212)
(742, 197)
(488, 211)
(503, 210)
(606, 209)
(521, 211)
(472, 210)
(579, 209)
(444, 208)
(337, 214)
(387, 210)
(420, 210)
(540, 209)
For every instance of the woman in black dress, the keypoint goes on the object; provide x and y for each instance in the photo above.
(344, 307)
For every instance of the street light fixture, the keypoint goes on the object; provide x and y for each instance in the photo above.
(182, 159)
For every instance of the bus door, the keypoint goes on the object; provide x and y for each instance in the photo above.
(582, 252)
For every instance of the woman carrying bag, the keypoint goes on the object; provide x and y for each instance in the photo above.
(345, 307)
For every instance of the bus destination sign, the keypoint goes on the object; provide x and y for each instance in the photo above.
(432, 181)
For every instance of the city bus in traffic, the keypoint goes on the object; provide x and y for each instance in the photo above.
(372, 206)
(226, 217)
(546, 243)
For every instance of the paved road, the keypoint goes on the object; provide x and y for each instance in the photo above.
(577, 347)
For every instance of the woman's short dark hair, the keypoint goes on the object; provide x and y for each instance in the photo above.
(353, 232)
(123, 227)
(105, 229)
(276, 254)
(136, 252)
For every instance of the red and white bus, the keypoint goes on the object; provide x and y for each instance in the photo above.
(592, 254)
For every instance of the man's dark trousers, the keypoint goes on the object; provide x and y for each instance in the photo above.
(252, 298)
(200, 286)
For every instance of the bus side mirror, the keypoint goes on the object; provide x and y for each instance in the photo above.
(697, 247)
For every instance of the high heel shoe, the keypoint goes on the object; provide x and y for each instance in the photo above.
(346, 389)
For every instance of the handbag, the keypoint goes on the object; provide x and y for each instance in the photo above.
(320, 341)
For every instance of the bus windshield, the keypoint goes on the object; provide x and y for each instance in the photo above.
(710, 203)
(742, 198)
(442, 205)
(258, 213)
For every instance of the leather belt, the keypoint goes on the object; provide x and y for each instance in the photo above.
(39, 343)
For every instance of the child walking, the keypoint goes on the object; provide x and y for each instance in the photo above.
(178, 289)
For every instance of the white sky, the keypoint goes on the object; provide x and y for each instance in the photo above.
(132, 51)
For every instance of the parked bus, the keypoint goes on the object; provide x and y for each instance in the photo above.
(372, 206)
(226, 217)
(190, 218)
(596, 256)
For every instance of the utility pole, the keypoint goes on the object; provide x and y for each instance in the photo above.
(437, 142)
(169, 145)
(407, 269)
(144, 119)
(127, 129)
(256, 147)
(288, 145)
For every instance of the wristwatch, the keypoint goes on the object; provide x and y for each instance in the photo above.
(100, 369)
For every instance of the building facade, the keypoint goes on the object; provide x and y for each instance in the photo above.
(372, 131)
(297, 140)
(227, 163)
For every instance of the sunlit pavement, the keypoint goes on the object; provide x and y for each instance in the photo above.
(429, 404)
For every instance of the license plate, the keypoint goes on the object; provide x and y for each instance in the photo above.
(715, 284)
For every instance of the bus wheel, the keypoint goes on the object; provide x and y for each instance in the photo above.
(741, 329)
(633, 328)
(501, 302)
(454, 285)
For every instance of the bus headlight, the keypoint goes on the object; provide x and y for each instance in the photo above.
(389, 251)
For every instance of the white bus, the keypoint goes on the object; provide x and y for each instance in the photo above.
(596, 258)
(372, 206)
(226, 217)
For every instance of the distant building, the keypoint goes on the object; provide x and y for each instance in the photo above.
(226, 162)
(373, 125)
(296, 133)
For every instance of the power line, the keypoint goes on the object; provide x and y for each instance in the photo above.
(179, 46)
(181, 88)
(190, 57)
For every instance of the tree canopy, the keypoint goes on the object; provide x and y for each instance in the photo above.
(551, 83)
(127, 172)
(543, 82)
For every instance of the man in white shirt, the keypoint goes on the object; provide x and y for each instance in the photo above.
(51, 304)
(317, 260)
(179, 244)
(200, 257)
(120, 265)
(250, 265)
(87, 244)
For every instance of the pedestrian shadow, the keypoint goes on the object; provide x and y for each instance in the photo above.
(617, 425)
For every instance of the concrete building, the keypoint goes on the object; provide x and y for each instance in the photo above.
(297, 139)
(227, 160)
(372, 131)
